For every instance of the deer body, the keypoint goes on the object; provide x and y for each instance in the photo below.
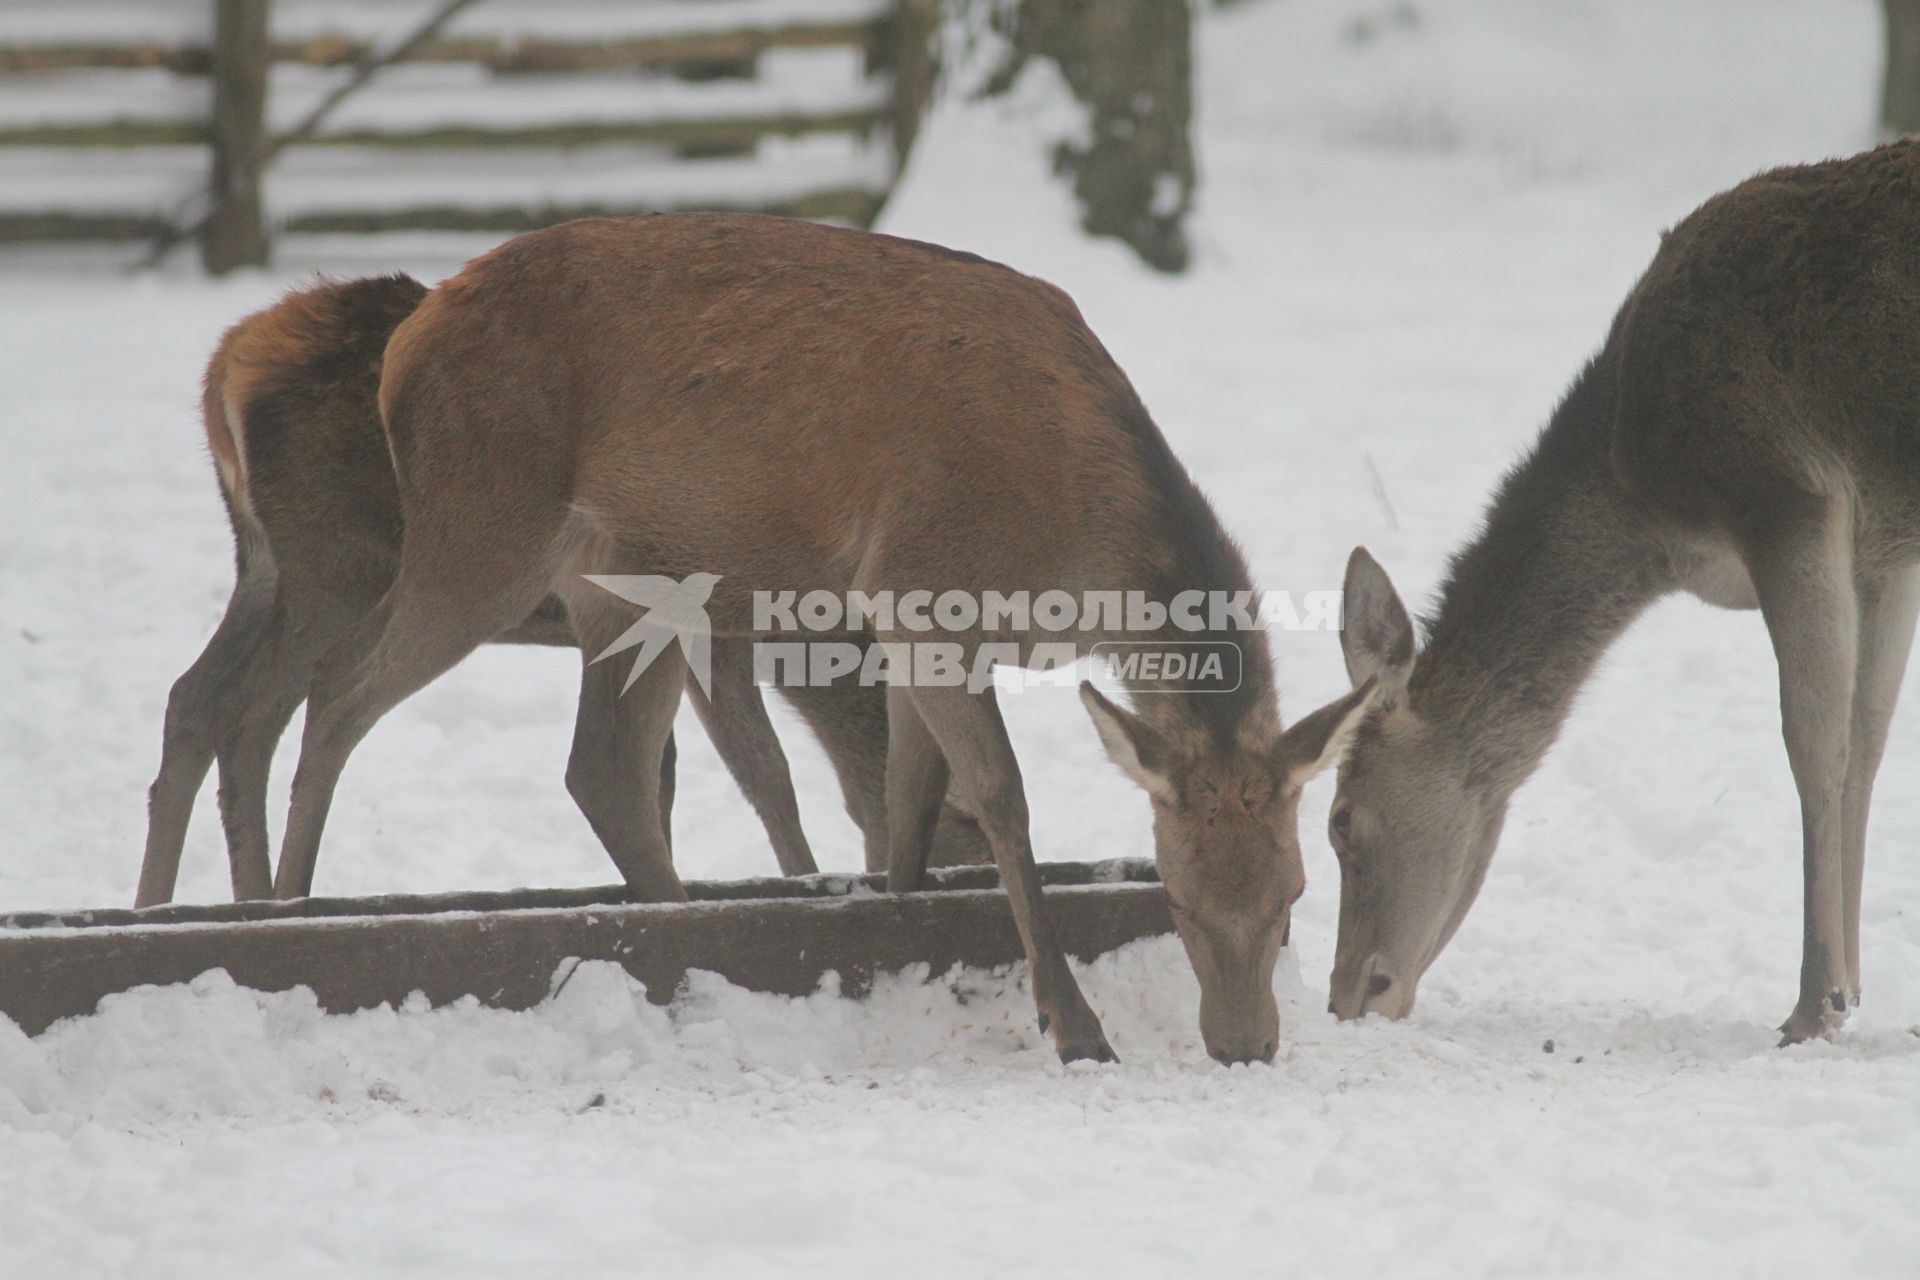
(292, 419)
(1747, 434)
(793, 407)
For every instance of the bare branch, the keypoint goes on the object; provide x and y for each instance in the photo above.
(184, 229)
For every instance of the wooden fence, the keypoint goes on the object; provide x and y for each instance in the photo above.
(518, 114)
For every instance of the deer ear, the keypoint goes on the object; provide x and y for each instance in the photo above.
(1131, 742)
(1376, 637)
(1323, 737)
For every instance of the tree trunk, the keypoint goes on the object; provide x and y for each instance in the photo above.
(1900, 88)
(910, 54)
(236, 234)
(1131, 63)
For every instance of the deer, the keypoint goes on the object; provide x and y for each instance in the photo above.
(1745, 434)
(290, 407)
(781, 405)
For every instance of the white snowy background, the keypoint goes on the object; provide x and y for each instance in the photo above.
(1411, 232)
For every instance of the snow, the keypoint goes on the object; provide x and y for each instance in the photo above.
(424, 96)
(166, 20)
(1409, 236)
(336, 179)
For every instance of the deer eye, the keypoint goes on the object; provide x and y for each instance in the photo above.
(1339, 828)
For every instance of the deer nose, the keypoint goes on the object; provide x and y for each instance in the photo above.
(1373, 990)
(1236, 1057)
(1382, 992)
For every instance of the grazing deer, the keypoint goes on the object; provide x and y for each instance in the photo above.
(292, 420)
(797, 407)
(1747, 434)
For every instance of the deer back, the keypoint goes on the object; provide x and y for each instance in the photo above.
(787, 405)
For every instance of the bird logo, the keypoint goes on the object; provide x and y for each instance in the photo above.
(675, 610)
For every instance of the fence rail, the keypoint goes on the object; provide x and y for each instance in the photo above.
(517, 115)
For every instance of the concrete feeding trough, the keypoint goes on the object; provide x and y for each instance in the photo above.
(776, 935)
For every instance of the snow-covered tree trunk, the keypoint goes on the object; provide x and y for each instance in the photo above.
(1900, 88)
(1131, 63)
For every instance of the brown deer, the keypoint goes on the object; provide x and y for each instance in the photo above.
(1746, 434)
(796, 407)
(292, 420)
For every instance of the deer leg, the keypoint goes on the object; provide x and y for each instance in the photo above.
(618, 738)
(736, 720)
(269, 689)
(958, 840)
(246, 760)
(193, 725)
(850, 721)
(1803, 575)
(669, 770)
(414, 635)
(916, 784)
(1888, 606)
(974, 739)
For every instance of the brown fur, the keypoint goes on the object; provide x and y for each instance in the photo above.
(714, 391)
(292, 420)
(795, 407)
(287, 403)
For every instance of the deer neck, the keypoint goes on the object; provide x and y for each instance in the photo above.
(1191, 553)
(1566, 561)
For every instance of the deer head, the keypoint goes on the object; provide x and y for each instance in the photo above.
(1226, 840)
(1413, 824)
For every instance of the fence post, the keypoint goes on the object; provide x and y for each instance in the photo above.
(915, 66)
(236, 234)
(1900, 82)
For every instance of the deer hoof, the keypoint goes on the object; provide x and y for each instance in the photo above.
(1095, 1049)
(1817, 1021)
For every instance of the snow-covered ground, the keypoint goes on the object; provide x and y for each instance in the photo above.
(1412, 230)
